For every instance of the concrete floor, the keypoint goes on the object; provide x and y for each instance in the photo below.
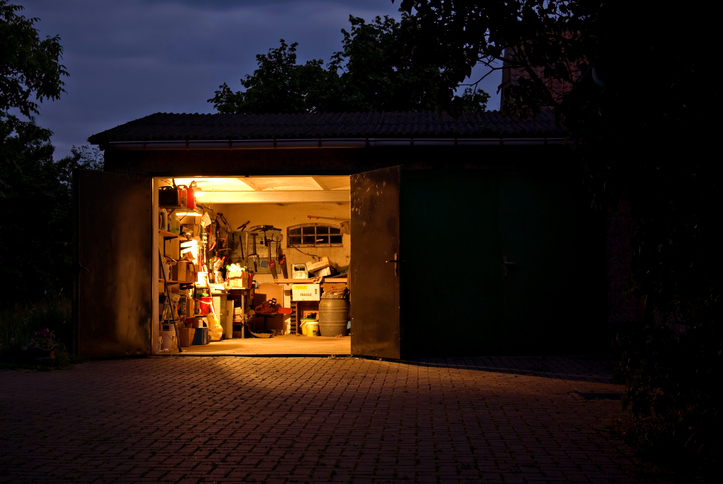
(280, 345)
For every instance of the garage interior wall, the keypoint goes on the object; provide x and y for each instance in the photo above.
(282, 216)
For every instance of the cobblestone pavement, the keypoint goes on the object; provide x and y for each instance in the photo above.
(285, 420)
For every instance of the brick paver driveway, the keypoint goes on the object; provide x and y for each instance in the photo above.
(229, 419)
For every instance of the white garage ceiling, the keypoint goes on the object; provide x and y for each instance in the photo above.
(277, 189)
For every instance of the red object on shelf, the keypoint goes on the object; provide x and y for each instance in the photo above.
(183, 195)
(191, 195)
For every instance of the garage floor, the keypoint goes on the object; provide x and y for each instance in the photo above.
(289, 344)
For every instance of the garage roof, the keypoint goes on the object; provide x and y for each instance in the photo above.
(420, 125)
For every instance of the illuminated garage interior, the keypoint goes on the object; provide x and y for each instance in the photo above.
(277, 214)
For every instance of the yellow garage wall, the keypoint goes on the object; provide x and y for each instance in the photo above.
(284, 216)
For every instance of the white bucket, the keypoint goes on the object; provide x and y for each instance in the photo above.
(168, 340)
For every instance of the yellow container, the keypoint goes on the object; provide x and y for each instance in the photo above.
(312, 328)
(305, 326)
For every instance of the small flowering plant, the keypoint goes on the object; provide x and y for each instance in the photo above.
(43, 339)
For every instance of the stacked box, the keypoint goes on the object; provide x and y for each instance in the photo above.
(186, 271)
(239, 280)
(306, 292)
(318, 265)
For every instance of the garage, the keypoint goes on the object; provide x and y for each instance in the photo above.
(439, 235)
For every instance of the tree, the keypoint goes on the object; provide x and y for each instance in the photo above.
(279, 85)
(638, 107)
(374, 71)
(35, 217)
(458, 36)
(28, 66)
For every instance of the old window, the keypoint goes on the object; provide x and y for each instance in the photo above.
(314, 235)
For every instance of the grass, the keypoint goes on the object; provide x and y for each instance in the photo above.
(20, 321)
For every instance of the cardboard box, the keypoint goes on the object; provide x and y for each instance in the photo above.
(267, 292)
(186, 271)
(306, 292)
(186, 335)
(239, 280)
(318, 265)
(173, 272)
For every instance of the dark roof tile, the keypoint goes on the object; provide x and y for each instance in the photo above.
(168, 126)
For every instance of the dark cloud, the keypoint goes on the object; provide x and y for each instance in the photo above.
(234, 4)
(131, 58)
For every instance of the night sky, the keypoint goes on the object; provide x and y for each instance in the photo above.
(131, 58)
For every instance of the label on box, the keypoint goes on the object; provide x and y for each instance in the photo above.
(306, 292)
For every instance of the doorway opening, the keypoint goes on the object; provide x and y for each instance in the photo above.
(251, 265)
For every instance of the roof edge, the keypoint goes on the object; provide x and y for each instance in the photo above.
(324, 143)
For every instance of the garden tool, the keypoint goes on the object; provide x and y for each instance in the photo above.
(254, 255)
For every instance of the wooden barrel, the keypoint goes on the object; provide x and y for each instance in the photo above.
(333, 315)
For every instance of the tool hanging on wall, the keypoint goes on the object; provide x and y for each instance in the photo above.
(270, 261)
(282, 263)
(222, 219)
(254, 256)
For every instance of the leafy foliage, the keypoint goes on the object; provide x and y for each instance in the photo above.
(35, 191)
(45, 322)
(28, 66)
(673, 379)
(374, 71)
(634, 87)
(544, 39)
(36, 210)
(279, 85)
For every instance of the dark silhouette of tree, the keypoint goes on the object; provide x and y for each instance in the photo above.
(35, 191)
(374, 71)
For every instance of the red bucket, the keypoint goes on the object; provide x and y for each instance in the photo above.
(205, 304)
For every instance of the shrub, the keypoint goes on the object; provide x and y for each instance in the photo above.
(673, 378)
(29, 326)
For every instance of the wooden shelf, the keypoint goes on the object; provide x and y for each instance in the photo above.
(293, 281)
(168, 235)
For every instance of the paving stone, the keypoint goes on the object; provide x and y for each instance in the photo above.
(227, 419)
